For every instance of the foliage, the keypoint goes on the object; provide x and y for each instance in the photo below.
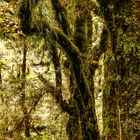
(64, 63)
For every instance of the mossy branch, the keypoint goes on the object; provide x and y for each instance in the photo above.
(74, 55)
(51, 89)
(61, 16)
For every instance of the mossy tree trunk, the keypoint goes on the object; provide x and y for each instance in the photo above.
(110, 100)
(73, 129)
(110, 97)
(0, 75)
(121, 68)
(23, 93)
(129, 89)
(24, 14)
(111, 129)
(84, 104)
(82, 122)
(81, 109)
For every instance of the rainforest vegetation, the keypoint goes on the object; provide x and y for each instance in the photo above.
(69, 70)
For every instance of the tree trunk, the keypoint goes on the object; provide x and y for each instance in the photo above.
(0, 75)
(23, 94)
(126, 73)
(129, 92)
(110, 101)
(84, 104)
(82, 120)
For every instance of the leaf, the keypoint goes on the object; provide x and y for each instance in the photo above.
(1, 20)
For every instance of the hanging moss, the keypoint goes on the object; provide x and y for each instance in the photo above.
(25, 14)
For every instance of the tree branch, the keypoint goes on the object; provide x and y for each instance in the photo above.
(61, 15)
(51, 89)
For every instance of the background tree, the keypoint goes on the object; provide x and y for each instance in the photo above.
(120, 19)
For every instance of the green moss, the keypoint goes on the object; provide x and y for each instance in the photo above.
(107, 91)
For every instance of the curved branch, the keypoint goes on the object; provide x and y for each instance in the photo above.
(51, 89)
(74, 55)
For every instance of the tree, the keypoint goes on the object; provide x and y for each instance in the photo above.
(62, 63)
(121, 23)
(82, 106)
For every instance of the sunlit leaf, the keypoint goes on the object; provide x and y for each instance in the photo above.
(1, 20)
